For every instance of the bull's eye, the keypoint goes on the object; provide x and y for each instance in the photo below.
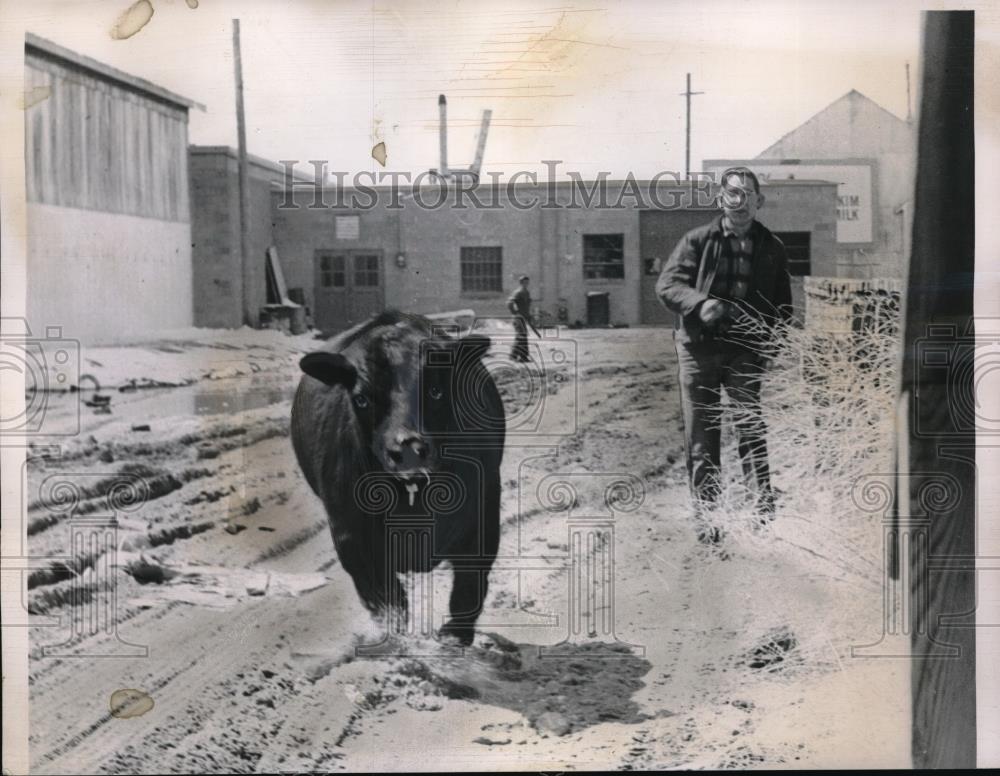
(435, 392)
(360, 401)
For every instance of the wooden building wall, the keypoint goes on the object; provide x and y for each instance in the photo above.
(106, 176)
(94, 144)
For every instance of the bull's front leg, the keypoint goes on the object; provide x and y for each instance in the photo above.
(470, 583)
(378, 586)
(471, 575)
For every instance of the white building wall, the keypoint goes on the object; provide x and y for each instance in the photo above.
(106, 276)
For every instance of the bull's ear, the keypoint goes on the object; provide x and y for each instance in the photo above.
(329, 368)
(475, 345)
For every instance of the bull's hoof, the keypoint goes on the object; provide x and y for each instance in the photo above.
(462, 632)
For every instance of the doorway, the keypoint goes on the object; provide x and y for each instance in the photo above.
(659, 233)
(348, 288)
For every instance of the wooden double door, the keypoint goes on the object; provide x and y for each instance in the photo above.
(349, 287)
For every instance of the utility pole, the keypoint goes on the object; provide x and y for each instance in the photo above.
(909, 112)
(244, 189)
(687, 144)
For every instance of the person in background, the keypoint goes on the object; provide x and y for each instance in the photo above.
(728, 282)
(519, 304)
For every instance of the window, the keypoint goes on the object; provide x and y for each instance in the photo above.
(797, 246)
(332, 272)
(603, 256)
(365, 271)
(482, 270)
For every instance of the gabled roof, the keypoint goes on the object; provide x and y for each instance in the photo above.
(38, 46)
(853, 96)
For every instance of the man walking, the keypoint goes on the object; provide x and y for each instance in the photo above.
(728, 283)
(519, 304)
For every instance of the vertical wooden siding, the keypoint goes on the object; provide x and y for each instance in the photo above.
(96, 145)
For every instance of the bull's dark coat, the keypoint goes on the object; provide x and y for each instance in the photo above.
(393, 404)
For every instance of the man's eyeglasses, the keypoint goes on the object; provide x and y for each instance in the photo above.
(734, 198)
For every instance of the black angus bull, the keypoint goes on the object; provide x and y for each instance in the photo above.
(394, 404)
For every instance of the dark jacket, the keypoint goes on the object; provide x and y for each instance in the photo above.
(519, 302)
(688, 273)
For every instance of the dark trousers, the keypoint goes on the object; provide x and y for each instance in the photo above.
(704, 371)
(519, 350)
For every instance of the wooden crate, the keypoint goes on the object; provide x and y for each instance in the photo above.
(842, 306)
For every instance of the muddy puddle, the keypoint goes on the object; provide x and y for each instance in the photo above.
(225, 397)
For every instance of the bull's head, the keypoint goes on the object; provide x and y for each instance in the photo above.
(402, 391)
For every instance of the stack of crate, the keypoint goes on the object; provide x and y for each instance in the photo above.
(843, 306)
(852, 326)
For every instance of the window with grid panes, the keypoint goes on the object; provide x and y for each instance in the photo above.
(482, 269)
(332, 271)
(365, 271)
(604, 256)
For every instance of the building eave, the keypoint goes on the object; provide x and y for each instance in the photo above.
(46, 49)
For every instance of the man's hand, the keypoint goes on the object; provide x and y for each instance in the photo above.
(711, 310)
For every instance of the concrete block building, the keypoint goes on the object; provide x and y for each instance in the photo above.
(228, 294)
(350, 261)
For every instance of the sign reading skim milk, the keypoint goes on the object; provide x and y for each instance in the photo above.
(854, 188)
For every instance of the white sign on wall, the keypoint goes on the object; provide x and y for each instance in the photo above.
(854, 190)
(347, 227)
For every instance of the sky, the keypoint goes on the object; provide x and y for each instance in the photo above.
(595, 85)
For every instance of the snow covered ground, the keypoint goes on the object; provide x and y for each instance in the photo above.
(238, 631)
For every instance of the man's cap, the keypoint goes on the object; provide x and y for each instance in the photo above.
(523, 278)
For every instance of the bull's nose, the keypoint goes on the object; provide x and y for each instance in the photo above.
(412, 441)
(411, 453)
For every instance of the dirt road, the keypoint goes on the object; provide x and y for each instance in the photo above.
(239, 633)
